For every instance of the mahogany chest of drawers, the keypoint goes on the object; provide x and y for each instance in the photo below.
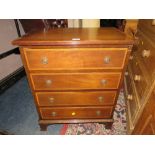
(75, 74)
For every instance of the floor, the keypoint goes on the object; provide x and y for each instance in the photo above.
(18, 114)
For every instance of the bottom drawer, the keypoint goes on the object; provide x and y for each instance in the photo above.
(76, 112)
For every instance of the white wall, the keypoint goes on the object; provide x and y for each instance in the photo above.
(90, 23)
(73, 23)
(8, 33)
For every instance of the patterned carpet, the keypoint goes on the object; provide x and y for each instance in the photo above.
(118, 127)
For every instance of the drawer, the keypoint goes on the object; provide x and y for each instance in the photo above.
(75, 81)
(139, 78)
(76, 98)
(75, 58)
(76, 112)
(147, 55)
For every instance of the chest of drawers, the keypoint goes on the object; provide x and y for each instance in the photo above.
(140, 81)
(75, 74)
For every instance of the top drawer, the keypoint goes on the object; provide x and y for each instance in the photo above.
(75, 58)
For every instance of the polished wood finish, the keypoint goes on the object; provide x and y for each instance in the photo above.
(75, 74)
(76, 112)
(146, 124)
(139, 78)
(75, 81)
(75, 58)
(128, 80)
(87, 98)
(132, 103)
(147, 27)
(146, 53)
(75, 36)
(131, 98)
(141, 119)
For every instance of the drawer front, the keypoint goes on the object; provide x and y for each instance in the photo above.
(75, 81)
(76, 112)
(75, 58)
(138, 77)
(146, 53)
(76, 98)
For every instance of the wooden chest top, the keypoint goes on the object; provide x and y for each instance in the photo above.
(75, 36)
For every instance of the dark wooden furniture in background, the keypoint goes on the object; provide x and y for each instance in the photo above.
(75, 74)
(140, 81)
(118, 23)
(33, 25)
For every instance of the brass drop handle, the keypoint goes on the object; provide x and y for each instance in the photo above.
(51, 99)
(100, 98)
(98, 112)
(146, 53)
(48, 82)
(131, 57)
(142, 42)
(73, 113)
(107, 60)
(130, 97)
(137, 78)
(54, 114)
(103, 81)
(126, 73)
(44, 60)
